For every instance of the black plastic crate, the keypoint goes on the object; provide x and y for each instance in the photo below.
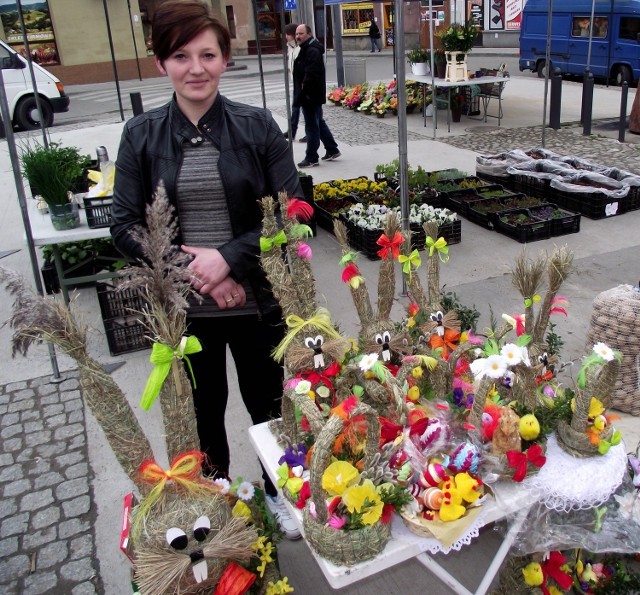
(633, 198)
(524, 232)
(325, 218)
(506, 181)
(482, 217)
(471, 105)
(567, 222)
(126, 335)
(594, 205)
(495, 188)
(531, 185)
(453, 200)
(115, 303)
(98, 210)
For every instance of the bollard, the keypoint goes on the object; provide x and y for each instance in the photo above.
(555, 102)
(136, 103)
(585, 76)
(622, 126)
(587, 104)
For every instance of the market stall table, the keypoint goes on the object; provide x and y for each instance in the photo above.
(509, 499)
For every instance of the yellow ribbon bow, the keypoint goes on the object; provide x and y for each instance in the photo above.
(407, 262)
(267, 244)
(440, 245)
(164, 358)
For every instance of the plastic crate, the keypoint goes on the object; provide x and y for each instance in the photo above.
(471, 105)
(98, 211)
(531, 185)
(566, 223)
(126, 335)
(525, 232)
(481, 217)
(458, 200)
(117, 303)
(494, 188)
(451, 232)
(594, 205)
(633, 198)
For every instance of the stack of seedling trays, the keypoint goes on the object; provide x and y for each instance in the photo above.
(121, 316)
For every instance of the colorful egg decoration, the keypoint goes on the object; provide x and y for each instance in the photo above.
(436, 435)
(466, 457)
(432, 476)
(432, 498)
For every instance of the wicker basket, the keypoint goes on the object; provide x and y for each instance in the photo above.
(615, 312)
(345, 548)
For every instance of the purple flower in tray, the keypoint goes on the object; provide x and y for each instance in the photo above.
(294, 456)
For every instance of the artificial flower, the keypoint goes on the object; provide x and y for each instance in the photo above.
(303, 495)
(604, 351)
(304, 251)
(285, 479)
(294, 455)
(299, 208)
(368, 361)
(511, 353)
(336, 521)
(223, 484)
(303, 387)
(338, 476)
(241, 510)
(246, 491)
(495, 366)
(280, 587)
(365, 500)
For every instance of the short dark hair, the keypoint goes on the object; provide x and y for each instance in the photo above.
(176, 22)
(290, 29)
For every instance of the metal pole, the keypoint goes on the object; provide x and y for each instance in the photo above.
(547, 58)
(623, 111)
(402, 117)
(133, 36)
(285, 63)
(113, 58)
(593, 8)
(22, 201)
(588, 105)
(434, 105)
(136, 103)
(556, 99)
(36, 94)
(259, 50)
(585, 78)
(337, 43)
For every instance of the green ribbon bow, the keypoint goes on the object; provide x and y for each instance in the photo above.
(407, 262)
(164, 358)
(300, 231)
(267, 244)
(440, 245)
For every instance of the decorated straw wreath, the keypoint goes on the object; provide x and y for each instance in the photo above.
(313, 347)
(188, 533)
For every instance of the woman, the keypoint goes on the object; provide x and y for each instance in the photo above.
(374, 36)
(216, 158)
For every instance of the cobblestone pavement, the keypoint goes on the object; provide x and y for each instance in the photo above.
(46, 512)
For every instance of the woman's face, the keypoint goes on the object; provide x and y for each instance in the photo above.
(195, 70)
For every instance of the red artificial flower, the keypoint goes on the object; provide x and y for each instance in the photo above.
(299, 209)
(303, 495)
(388, 431)
(304, 424)
(349, 272)
(413, 309)
(343, 409)
(387, 513)
(551, 567)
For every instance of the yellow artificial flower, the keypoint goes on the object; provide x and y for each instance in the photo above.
(280, 587)
(411, 322)
(416, 372)
(241, 510)
(354, 499)
(338, 476)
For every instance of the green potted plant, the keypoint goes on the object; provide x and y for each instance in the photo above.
(457, 38)
(53, 172)
(420, 59)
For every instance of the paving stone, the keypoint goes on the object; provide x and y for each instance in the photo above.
(8, 546)
(12, 473)
(73, 405)
(45, 518)
(56, 420)
(21, 395)
(81, 546)
(76, 507)
(38, 438)
(72, 527)
(53, 398)
(70, 395)
(46, 451)
(25, 456)
(6, 459)
(53, 409)
(77, 441)
(10, 431)
(8, 419)
(15, 567)
(36, 500)
(77, 470)
(68, 386)
(17, 487)
(47, 389)
(14, 386)
(24, 405)
(33, 426)
(76, 416)
(68, 432)
(84, 589)
(13, 444)
(4, 409)
(7, 506)
(39, 466)
(30, 415)
(4, 398)
(70, 458)
(41, 582)
(78, 570)
(52, 554)
(34, 539)
(47, 479)
(72, 488)
(14, 525)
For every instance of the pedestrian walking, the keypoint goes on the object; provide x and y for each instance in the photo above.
(292, 54)
(216, 158)
(374, 36)
(309, 90)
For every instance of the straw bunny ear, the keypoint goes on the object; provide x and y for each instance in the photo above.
(416, 292)
(433, 268)
(35, 319)
(390, 242)
(351, 276)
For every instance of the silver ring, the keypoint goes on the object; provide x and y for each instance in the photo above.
(229, 300)
(235, 295)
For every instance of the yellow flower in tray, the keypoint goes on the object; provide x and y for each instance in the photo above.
(364, 499)
(338, 476)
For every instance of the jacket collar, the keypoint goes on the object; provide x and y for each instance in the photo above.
(184, 129)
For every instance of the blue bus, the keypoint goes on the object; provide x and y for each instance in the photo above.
(614, 33)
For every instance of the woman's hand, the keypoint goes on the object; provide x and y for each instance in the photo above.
(208, 267)
(228, 294)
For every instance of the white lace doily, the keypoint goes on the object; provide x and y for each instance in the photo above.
(571, 483)
(471, 533)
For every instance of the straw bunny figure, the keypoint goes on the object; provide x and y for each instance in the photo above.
(183, 534)
(379, 335)
(313, 348)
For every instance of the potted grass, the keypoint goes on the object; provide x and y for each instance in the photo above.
(53, 172)
(419, 59)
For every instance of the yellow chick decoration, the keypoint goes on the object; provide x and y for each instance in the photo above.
(468, 487)
(588, 575)
(532, 573)
(529, 427)
(451, 508)
(595, 407)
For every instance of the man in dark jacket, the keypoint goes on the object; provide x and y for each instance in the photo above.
(374, 36)
(309, 92)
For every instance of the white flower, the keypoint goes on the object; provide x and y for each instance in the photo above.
(525, 356)
(223, 484)
(367, 361)
(477, 367)
(511, 353)
(303, 387)
(496, 366)
(246, 491)
(604, 351)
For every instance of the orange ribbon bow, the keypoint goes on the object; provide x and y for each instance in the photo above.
(390, 247)
(520, 460)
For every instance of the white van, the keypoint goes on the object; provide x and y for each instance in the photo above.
(20, 97)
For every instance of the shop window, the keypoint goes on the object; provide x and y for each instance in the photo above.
(356, 18)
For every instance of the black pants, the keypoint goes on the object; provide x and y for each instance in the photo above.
(250, 341)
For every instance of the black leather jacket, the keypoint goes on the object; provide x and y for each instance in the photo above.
(309, 76)
(255, 161)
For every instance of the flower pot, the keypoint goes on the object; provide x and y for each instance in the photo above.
(64, 216)
(441, 69)
(380, 115)
(420, 68)
(456, 114)
(411, 108)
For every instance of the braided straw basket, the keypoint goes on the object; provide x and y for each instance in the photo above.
(615, 312)
(342, 547)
